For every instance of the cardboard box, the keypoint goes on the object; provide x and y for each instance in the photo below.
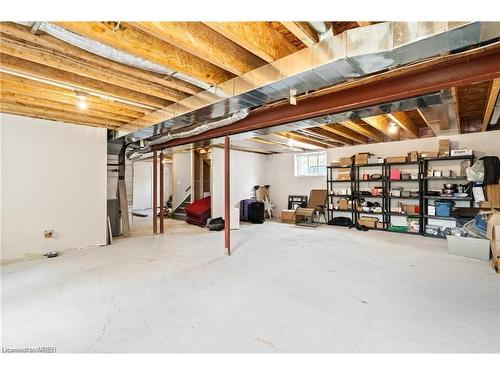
(287, 216)
(368, 221)
(469, 247)
(485, 204)
(493, 222)
(343, 176)
(444, 147)
(412, 208)
(493, 195)
(361, 158)
(495, 250)
(429, 154)
(413, 156)
(380, 225)
(343, 204)
(346, 161)
(395, 159)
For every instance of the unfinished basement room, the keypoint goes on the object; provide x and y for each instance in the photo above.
(250, 186)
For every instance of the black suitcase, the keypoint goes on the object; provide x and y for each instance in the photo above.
(256, 212)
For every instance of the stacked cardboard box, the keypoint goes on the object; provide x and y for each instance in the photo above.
(412, 156)
(343, 176)
(395, 159)
(346, 161)
(429, 154)
(368, 221)
(361, 158)
(444, 147)
(343, 204)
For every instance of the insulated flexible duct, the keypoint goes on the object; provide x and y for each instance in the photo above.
(188, 131)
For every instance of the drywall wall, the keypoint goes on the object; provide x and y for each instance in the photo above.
(280, 167)
(247, 170)
(53, 177)
(143, 192)
(182, 174)
(142, 185)
(281, 177)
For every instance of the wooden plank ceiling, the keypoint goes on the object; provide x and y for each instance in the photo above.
(41, 75)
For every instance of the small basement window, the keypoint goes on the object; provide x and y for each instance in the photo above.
(310, 164)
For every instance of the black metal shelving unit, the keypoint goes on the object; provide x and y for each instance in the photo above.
(426, 162)
(386, 199)
(330, 183)
(390, 198)
(356, 192)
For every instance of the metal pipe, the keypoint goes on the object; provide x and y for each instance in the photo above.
(227, 195)
(155, 185)
(162, 200)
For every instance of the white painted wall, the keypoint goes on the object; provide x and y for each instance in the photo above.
(280, 167)
(53, 177)
(182, 172)
(143, 192)
(142, 185)
(247, 170)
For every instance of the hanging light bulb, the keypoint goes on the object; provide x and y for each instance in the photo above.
(82, 104)
(393, 127)
(82, 100)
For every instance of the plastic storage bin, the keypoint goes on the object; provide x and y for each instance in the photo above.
(443, 207)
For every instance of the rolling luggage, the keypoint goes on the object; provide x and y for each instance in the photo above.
(256, 212)
(244, 205)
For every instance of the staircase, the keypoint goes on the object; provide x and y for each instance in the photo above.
(180, 212)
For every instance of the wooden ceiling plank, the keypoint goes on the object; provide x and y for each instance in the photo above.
(363, 129)
(57, 115)
(381, 123)
(25, 86)
(70, 64)
(79, 82)
(303, 31)
(338, 139)
(405, 122)
(9, 97)
(203, 42)
(301, 138)
(256, 37)
(134, 41)
(346, 133)
(492, 99)
(48, 41)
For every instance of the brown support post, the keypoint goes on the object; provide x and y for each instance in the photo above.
(155, 192)
(227, 194)
(162, 201)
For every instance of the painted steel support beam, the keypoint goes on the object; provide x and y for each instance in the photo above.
(155, 192)
(227, 195)
(162, 199)
(472, 69)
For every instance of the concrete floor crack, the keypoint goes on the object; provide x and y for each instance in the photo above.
(109, 319)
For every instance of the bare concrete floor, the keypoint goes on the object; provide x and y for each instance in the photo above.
(285, 289)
